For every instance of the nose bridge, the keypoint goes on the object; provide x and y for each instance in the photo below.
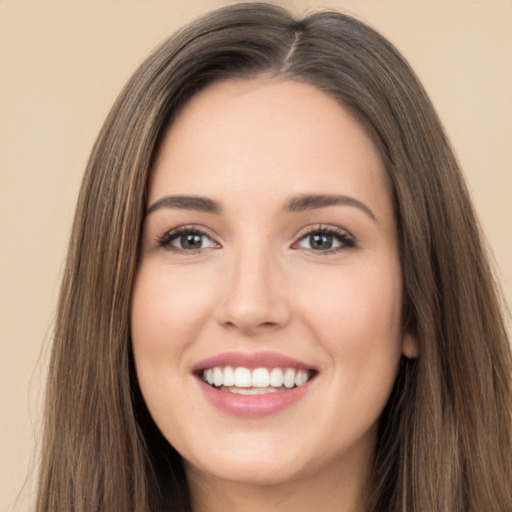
(254, 298)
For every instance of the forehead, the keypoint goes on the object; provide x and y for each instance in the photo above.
(277, 136)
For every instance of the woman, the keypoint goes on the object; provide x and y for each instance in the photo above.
(272, 207)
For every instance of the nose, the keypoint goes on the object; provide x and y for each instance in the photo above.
(255, 298)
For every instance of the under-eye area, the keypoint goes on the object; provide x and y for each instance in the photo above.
(257, 381)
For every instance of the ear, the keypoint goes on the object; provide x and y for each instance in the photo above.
(410, 346)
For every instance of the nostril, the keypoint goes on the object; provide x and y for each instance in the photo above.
(268, 324)
(251, 329)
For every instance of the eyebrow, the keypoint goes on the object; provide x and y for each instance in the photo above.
(198, 204)
(295, 204)
(313, 201)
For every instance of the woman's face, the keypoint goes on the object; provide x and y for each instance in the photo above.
(269, 259)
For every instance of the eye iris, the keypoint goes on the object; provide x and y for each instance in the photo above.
(191, 241)
(321, 241)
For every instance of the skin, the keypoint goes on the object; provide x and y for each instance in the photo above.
(256, 284)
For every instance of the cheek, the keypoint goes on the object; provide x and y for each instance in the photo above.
(168, 309)
(358, 324)
(357, 321)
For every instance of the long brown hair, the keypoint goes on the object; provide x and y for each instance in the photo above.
(445, 435)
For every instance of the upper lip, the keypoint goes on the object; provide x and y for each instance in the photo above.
(251, 361)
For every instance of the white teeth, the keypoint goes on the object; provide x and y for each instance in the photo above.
(259, 380)
(252, 391)
(301, 377)
(249, 391)
(289, 378)
(243, 378)
(276, 378)
(229, 376)
(218, 377)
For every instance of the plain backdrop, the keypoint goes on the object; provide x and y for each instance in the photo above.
(62, 63)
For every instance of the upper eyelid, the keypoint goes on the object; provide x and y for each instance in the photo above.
(186, 228)
(192, 228)
(324, 227)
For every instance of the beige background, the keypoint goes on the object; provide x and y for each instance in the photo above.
(62, 63)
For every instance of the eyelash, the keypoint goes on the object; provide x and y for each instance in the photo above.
(346, 241)
(166, 240)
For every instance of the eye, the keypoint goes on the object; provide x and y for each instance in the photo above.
(186, 239)
(326, 240)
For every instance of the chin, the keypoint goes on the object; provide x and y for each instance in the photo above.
(260, 472)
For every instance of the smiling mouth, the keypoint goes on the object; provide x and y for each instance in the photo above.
(257, 381)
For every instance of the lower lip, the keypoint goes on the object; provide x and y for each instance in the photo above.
(253, 406)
